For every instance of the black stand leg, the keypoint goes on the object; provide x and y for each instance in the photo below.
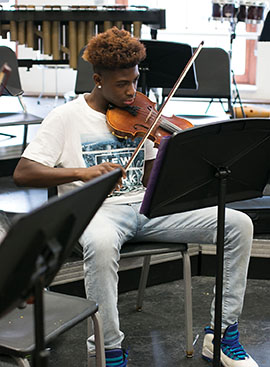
(9, 135)
(40, 355)
(143, 78)
(153, 33)
(222, 176)
(237, 97)
(212, 100)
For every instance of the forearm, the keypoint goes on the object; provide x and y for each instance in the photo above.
(33, 174)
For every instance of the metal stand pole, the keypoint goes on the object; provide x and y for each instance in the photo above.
(40, 355)
(232, 38)
(222, 175)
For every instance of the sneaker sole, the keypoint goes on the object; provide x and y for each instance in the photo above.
(207, 355)
(207, 359)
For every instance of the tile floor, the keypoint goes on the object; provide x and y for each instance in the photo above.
(156, 337)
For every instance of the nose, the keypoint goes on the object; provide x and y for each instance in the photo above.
(131, 91)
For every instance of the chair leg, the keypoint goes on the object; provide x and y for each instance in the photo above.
(230, 107)
(143, 281)
(99, 340)
(22, 104)
(91, 356)
(25, 131)
(188, 304)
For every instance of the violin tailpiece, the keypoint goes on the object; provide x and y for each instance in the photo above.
(133, 110)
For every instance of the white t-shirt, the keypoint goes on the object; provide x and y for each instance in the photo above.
(74, 135)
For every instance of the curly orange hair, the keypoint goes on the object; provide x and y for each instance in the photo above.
(114, 49)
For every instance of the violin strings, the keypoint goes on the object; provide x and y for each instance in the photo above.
(145, 114)
(164, 123)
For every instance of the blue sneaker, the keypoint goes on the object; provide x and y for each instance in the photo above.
(232, 352)
(116, 358)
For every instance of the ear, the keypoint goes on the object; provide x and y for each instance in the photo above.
(97, 78)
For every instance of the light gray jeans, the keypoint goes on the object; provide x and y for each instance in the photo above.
(115, 224)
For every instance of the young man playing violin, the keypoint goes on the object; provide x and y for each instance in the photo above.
(74, 145)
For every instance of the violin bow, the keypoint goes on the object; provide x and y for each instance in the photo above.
(170, 95)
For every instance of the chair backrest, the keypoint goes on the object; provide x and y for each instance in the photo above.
(84, 81)
(13, 86)
(213, 76)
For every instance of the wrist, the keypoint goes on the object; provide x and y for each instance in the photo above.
(78, 174)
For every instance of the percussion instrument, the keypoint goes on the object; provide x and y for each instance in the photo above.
(63, 32)
(223, 10)
(250, 11)
(243, 10)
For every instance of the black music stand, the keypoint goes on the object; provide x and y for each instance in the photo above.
(210, 165)
(164, 63)
(37, 244)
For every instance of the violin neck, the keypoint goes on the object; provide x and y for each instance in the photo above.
(169, 126)
(176, 85)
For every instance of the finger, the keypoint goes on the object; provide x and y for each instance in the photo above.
(124, 173)
(120, 182)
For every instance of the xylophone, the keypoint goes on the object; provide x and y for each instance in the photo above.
(63, 32)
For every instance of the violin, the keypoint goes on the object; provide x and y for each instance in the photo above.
(136, 119)
(150, 121)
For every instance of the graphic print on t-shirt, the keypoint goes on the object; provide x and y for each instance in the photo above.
(108, 148)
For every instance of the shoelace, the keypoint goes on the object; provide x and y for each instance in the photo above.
(231, 347)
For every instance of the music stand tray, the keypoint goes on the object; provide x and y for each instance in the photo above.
(38, 243)
(210, 165)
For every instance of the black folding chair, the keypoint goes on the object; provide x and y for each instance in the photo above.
(30, 256)
(213, 72)
(13, 88)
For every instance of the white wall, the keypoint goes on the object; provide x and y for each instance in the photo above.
(260, 92)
